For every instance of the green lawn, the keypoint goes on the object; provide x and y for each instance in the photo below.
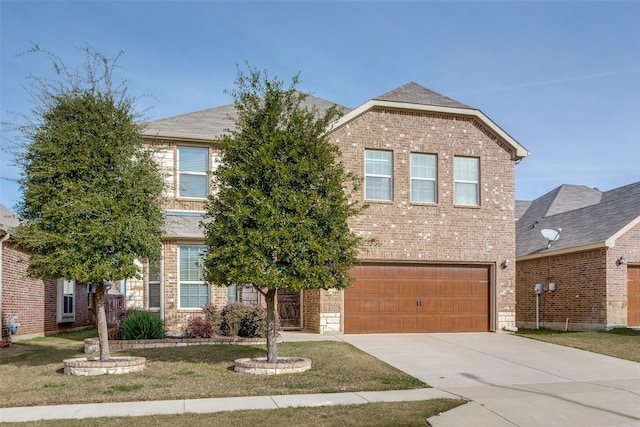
(35, 369)
(620, 342)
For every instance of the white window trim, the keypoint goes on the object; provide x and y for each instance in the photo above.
(155, 282)
(462, 181)
(372, 175)
(63, 317)
(434, 180)
(192, 173)
(190, 282)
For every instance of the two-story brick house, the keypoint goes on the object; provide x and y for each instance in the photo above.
(439, 182)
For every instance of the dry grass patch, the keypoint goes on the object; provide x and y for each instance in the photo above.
(372, 414)
(35, 369)
(622, 343)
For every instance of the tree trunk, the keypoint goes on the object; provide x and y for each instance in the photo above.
(272, 341)
(103, 332)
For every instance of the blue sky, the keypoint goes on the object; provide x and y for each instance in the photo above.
(561, 77)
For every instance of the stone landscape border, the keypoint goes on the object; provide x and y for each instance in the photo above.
(87, 366)
(92, 345)
(260, 366)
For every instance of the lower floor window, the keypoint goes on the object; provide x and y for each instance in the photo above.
(194, 293)
(66, 300)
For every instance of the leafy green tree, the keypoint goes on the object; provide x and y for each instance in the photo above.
(91, 192)
(278, 216)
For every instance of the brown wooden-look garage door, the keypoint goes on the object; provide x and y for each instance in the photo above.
(417, 298)
(633, 295)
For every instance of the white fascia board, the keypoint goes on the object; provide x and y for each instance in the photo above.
(563, 251)
(520, 151)
(175, 136)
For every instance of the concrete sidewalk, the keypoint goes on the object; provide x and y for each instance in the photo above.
(165, 407)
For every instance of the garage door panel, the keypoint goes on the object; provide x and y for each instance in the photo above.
(417, 298)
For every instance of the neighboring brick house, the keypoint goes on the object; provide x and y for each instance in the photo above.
(43, 307)
(594, 263)
(439, 182)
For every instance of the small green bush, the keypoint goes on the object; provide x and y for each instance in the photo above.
(142, 325)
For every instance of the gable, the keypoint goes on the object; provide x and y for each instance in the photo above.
(413, 97)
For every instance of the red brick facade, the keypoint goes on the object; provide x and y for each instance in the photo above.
(440, 232)
(591, 288)
(35, 301)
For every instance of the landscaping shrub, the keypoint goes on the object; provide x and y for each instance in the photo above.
(214, 317)
(142, 325)
(198, 327)
(114, 332)
(255, 323)
(243, 320)
(232, 315)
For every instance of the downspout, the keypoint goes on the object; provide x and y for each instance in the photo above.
(2, 240)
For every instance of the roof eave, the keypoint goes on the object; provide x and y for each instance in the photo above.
(177, 136)
(563, 251)
(519, 150)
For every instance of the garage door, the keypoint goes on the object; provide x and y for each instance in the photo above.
(633, 295)
(417, 298)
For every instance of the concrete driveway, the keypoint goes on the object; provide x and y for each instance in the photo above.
(514, 381)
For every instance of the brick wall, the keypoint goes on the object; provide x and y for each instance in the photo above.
(580, 294)
(311, 310)
(176, 318)
(591, 289)
(34, 300)
(627, 245)
(439, 233)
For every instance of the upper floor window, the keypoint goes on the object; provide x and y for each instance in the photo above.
(193, 168)
(194, 293)
(467, 181)
(378, 175)
(423, 178)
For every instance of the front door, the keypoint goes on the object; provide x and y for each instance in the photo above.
(289, 309)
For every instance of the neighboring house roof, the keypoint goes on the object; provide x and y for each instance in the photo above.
(412, 96)
(521, 207)
(213, 123)
(8, 220)
(588, 218)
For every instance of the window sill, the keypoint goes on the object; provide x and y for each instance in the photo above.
(467, 206)
(379, 202)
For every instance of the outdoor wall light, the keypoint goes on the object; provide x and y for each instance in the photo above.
(621, 261)
(506, 263)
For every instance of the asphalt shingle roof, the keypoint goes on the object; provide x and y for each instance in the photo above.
(413, 93)
(8, 219)
(182, 224)
(587, 216)
(214, 122)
